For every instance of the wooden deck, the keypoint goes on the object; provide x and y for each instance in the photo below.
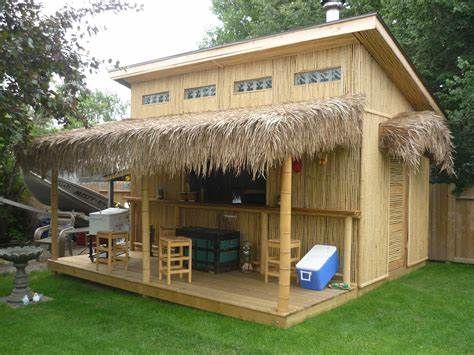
(234, 294)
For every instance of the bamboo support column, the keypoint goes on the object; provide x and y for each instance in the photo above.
(346, 273)
(145, 230)
(263, 241)
(110, 196)
(285, 237)
(54, 231)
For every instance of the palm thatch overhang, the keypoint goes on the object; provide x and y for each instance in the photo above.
(411, 135)
(251, 138)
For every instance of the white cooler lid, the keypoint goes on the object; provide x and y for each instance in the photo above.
(316, 257)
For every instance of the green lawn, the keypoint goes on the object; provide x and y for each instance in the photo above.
(428, 311)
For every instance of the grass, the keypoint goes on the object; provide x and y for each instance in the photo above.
(428, 311)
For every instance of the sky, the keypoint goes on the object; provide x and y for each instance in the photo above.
(163, 28)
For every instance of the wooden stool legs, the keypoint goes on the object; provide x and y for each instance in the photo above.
(113, 248)
(272, 263)
(171, 257)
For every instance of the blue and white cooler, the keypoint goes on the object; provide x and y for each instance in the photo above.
(318, 267)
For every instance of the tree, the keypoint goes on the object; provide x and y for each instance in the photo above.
(437, 35)
(95, 107)
(36, 52)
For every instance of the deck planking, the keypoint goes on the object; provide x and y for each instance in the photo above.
(244, 296)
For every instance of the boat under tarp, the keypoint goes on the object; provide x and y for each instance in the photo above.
(72, 197)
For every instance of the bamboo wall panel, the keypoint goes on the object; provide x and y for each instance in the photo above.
(332, 183)
(312, 230)
(451, 224)
(198, 79)
(231, 99)
(248, 224)
(172, 84)
(381, 93)
(418, 205)
(281, 69)
(375, 180)
(397, 215)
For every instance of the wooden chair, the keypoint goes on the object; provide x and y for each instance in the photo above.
(172, 254)
(272, 257)
(116, 247)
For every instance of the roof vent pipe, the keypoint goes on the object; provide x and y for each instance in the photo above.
(333, 9)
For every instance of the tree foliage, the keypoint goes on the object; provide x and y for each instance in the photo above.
(438, 36)
(39, 53)
(95, 107)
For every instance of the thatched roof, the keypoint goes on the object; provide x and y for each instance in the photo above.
(411, 135)
(250, 138)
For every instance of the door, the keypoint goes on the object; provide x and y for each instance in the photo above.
(397, 216)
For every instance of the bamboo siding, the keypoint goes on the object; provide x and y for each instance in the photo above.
(382, 94)
(397, 215)
(281, 70)
(418, 199)
(375, 177)
(352, 180)
(330, 184)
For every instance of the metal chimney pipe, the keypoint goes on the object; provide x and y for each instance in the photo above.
(333, 9)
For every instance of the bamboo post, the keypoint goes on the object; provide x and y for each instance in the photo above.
(54, 231)
(263, 241)
(133, 222)
(346, 273)
(145, 230)
(110, 200)
(285, 237)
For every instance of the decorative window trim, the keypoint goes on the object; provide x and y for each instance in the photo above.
(200, 92)
(156, 98)
(253, 85)
(318, 76)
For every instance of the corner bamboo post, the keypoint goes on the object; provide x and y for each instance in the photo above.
(54, 231)
(263, 241)
(145, 230)
(346, 273)
(285, 237)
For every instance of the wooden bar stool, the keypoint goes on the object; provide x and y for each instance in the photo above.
(172, 254)
(116, 246)
(272, 257)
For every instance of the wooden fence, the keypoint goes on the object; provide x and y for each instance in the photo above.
(451, 224)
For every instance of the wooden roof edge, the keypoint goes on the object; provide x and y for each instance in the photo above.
(405, 60)
(215, 54)
(344, 27)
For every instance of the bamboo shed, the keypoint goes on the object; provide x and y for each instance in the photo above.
(326, 133)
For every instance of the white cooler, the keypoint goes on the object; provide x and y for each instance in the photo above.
(318, 267)
(110, 219)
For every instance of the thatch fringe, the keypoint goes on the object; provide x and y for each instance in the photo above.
(411, 135)
(249, 138)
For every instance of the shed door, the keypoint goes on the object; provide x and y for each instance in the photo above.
(397, 216)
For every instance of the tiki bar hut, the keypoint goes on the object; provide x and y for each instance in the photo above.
(321, 135)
